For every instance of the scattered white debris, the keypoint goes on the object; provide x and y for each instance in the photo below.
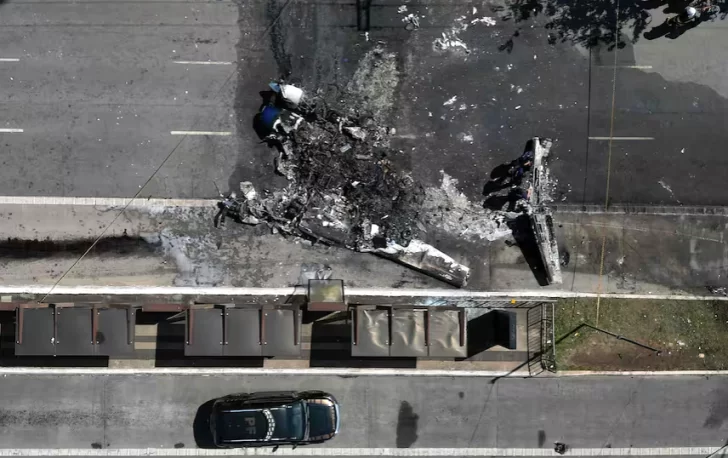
(475, 11)
(682, 151)
(191, 256)
(463, 107)
(668, 189)
(374, 82)
(412, 19)
(366, 36)
(620, 260)
(518, 107)
(450, 210)
(489, 21)
(402, 9)
(468, 138)
(681, 343)
(450, 101)
(429, 113)
(701, 355)
(449, 40)
(519, 89)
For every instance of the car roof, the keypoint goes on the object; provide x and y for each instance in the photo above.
(243, 425)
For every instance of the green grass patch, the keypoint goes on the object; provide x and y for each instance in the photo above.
(690, 335)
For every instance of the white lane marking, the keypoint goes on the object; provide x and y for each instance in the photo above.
(326, 451)
(11, 131)
(199, 132)
(622, 138)
(201, 62)
(364, 292)
(641, 67)
(106, 201)
(9, 59)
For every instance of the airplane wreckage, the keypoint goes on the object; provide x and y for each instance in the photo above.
(345, 191)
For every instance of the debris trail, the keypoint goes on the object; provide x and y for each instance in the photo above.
(668, 189)
(374, 83)
(449, 209)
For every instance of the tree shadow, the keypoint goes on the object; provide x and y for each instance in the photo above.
(589, 23)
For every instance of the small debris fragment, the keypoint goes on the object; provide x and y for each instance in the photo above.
(450, 101)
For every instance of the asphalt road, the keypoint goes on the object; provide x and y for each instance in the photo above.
(98, 88)
(97, 92)
(391, 412)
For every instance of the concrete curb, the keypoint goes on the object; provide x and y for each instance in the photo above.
(107, 202)
(638, 373)
(336, 372)
(364, 292)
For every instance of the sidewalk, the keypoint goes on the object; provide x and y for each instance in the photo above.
(155, 246)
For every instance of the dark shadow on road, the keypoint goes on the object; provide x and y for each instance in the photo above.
(14, 248)
(201, 426)
(406, 425)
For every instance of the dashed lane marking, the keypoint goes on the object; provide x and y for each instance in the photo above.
(201, 62)
(200, 132)
(639, 67)
(622, 138)
(9, 59)
(11, 131)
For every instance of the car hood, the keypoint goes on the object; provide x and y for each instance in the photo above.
(322, 420)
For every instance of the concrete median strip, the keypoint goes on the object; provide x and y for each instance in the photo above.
(306, 451)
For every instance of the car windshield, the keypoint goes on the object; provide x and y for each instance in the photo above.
(245, 425)
(290, 421)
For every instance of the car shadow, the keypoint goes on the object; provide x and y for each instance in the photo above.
(201, 426)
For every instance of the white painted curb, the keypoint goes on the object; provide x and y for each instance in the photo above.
(638, 373)
(330, 372)
(363, 292)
